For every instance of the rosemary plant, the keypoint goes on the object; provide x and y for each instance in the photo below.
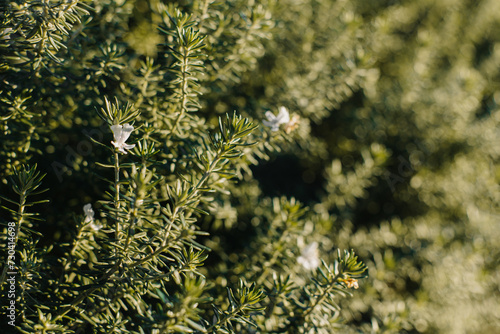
(249, 166)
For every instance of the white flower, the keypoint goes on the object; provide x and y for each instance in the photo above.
(274, 122)
(89, 213)
(121, 134)
(309, 257)
(89, 217)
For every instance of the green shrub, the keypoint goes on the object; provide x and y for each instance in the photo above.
(104, 98)
(231, 166)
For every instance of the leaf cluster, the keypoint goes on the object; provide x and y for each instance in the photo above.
(142, 255)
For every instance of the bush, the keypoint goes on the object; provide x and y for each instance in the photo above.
(147, 188)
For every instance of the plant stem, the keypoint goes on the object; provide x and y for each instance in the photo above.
(273, 260)
(164, 243)
(117, 195)
(69, 258)
(225, 319)
(322, 297)
(20, 214)
(88, 292)
(319, 300)
(183, 88)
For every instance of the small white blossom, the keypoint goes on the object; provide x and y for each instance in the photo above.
(309, 257)
(274, 122)
(89, 213)
(121, 134)
(89, 217)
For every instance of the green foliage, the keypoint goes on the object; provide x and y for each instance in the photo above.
(138, 264)
(243, 166)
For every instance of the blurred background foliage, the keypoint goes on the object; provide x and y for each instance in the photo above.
(396, 152)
